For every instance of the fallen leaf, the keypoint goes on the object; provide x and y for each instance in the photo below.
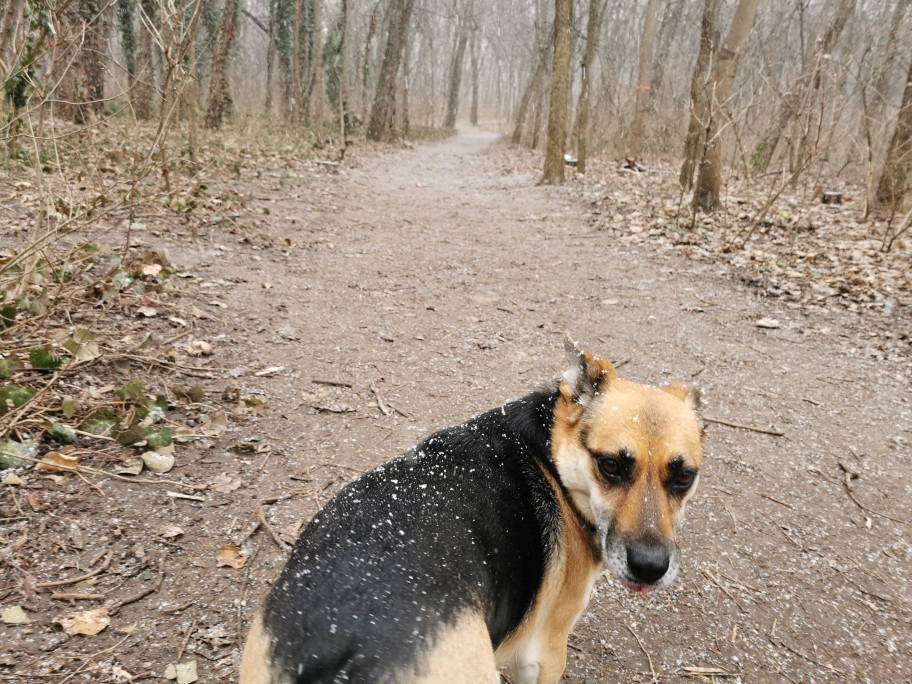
(82, 346)
(157, 462)
(89, 622)
(147, 311)
(14, 615)
(171, 531)
(225, 483)
(12, 480)
(272, 370)
(184, 673)
(131, 466)
(120, 675)
(54, 460)
(199, 348)
(151, 269)
(216, 425)
(232, 556)
(770, 323)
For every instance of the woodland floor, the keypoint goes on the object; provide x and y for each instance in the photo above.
(351, 311)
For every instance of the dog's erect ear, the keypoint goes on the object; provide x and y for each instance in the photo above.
(587, 376)
(689, 394)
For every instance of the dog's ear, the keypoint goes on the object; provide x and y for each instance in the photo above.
(587, 376)
(689, 394)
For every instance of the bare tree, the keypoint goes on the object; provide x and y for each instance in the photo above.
(699, 93)
(219, 91)
(644, 80)
(317, 89)
(560, 93)
(381, 115)
(896, 176)
(593, 29)
(462, 38)
(709, 179)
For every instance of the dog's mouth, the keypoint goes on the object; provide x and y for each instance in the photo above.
(643, 589)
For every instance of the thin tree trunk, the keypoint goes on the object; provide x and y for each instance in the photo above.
(593, 29)
(455, 80)
(381, 115)
(220, 101)
(365, 66)
(11, 18)
(317, 97)
(533, 87)
(671, 24)
(699, 95)
(644, 81)
(473, 109)
(895, 180)
(145, 71)
(709, 180)
(553, 172)
(296, 90)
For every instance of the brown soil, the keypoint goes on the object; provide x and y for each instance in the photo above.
(432, 283)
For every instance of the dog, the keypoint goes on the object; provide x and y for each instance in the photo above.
(477, 550)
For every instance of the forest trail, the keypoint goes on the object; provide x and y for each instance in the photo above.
(428, 284)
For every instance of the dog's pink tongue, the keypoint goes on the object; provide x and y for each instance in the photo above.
(643, 589)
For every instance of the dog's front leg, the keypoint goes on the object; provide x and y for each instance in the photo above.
(544, 667)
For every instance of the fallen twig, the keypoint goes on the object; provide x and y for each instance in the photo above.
(847, 483)
(73, 580)
(76, 596)
(142, 593)
(741, 426)
(331, 383)
(643, 649)
(261, 516)
(380, 405)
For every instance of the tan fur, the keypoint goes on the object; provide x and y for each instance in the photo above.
(460, 654)
(255, 665)
(537, 650)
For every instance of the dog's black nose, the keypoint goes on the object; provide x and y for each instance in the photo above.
(647, 559)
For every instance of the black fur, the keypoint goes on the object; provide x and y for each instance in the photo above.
(464, 520)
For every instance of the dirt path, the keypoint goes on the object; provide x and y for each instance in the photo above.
(446, 281)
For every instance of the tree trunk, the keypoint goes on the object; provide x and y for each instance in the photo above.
(473, 109)
(699, 95)
(365, 66)
(671, 25)
(296, 90)
(593, 29)
(317, 97)
(644, 81)
(532, 88)
(798, 100)
(381, 115)
(145, 72)
(220, 102)
(455, 80)
(709, 180)
(560, 93)
(12, 15)
(896, 177)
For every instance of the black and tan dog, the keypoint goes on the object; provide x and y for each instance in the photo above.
(478, 549)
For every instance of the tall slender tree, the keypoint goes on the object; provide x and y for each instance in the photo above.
(560, 93)
(699, 93)
(381, 116)
(593, 30)
(220, 101)
(709, 179)
(643, 95)
(896, 177)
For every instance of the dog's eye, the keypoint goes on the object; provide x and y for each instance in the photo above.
(684, 479)
(610, 467)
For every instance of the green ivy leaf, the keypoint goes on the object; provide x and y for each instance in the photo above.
(13, 454)
(42, 359)
(14, 396)
(62, 433)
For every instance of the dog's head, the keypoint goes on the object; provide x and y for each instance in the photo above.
(629, 456)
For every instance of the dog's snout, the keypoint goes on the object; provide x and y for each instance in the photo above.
(648, 559)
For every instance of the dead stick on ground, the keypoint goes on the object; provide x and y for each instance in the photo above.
(73, 580)
(73, 596)
(380, 405)
(741, 426)
(185, 642)
(847, 483)
(142, 593)
(643, 649)
(261, 514)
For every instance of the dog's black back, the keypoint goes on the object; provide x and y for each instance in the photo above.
(464, 520)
